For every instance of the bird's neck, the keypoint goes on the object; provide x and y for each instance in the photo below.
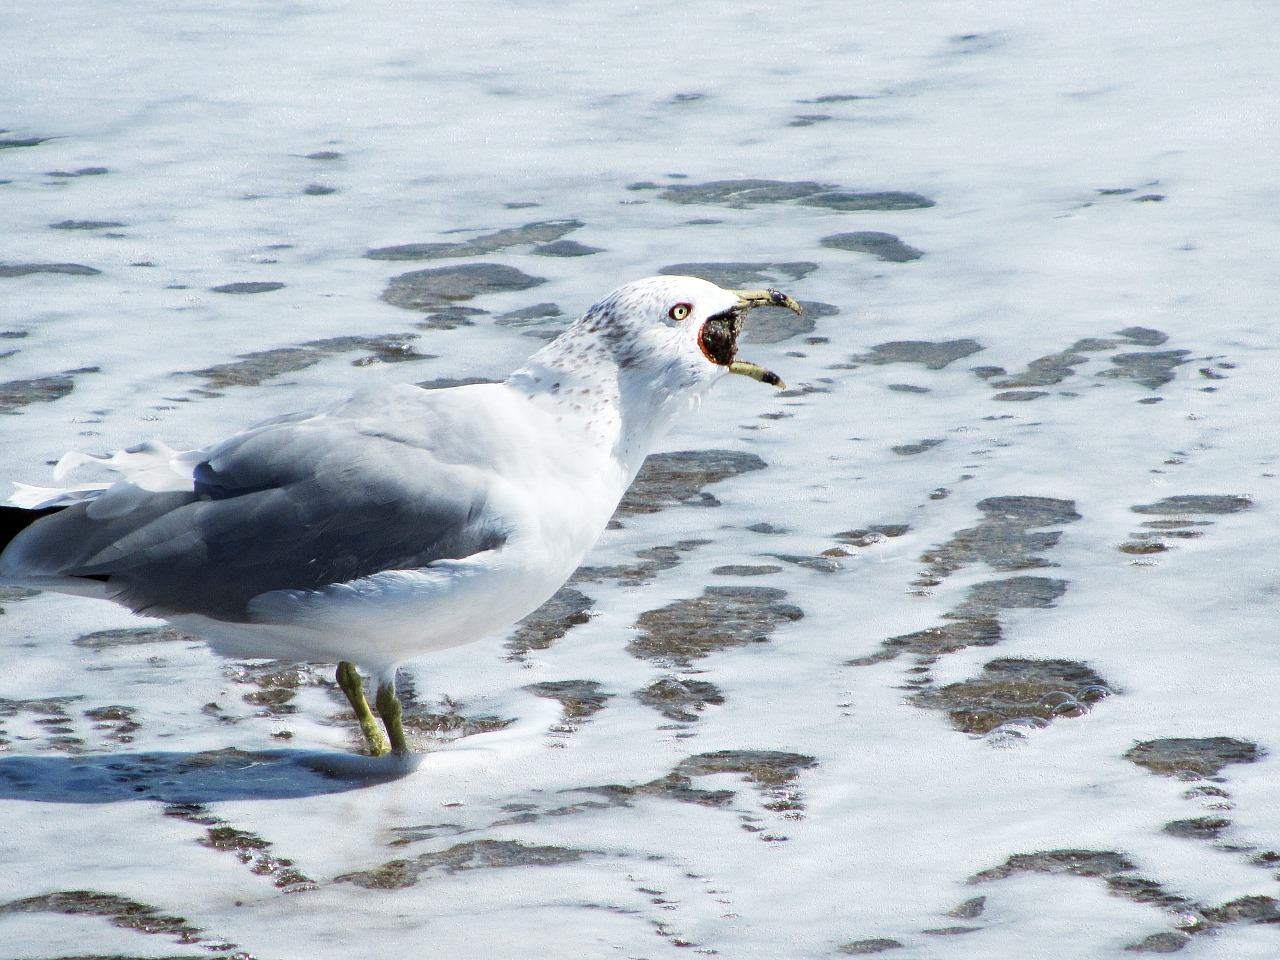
(619, 409)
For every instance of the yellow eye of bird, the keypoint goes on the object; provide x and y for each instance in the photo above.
(680, 311)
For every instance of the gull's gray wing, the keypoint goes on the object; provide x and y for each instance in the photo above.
(286, 505)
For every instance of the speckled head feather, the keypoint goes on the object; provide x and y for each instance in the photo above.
(649, 331)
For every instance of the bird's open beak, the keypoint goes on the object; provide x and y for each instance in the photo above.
(719, 335)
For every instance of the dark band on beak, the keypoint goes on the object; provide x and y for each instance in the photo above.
(757, 372)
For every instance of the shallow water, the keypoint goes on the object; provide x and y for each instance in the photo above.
(961, 646)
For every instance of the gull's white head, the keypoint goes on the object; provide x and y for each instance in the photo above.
(641, 357)
(681, 332)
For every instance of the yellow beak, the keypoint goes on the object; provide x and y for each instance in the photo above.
(749, 300)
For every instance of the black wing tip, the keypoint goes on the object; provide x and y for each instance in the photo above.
(13, 520)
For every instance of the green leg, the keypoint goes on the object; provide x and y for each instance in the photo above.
(390, 710)
(351, 684)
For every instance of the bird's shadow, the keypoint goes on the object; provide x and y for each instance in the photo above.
(205, 777)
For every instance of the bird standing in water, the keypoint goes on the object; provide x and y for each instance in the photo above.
(401, 521)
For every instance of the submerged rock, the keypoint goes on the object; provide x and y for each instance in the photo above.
(1149, 369)
(131, 636)
(536, 313)
(986, 599)
(445, 383)
(772, 772)
(738, 193)
(1004, 539)
(579, 698)
(1196, 504)
(52, 716)
(1170, 941)
(722, 617)
(1198, 828)
(673, 786)
(971, 908)
(565, 248)
(883, 246)
(668, 479)
(437, 287)
(249, 848)
(649, 563)
(746, 570)
(863, 948)
(1120, 878)
(933, 354)
(1092, 345)
(873, 534)
(450, 318)
(742, 191)
(680, 699)
(827, 563)
(1076, 863)
(1255, 909)
(1045, 371)
(249, 286)
(765, 768)
(78, 172)
(1197, 756)
(13, 143)
(20, 393)
(835, 98)
(1118, 873)
(567, 609)
(935, 641)
(472, 855)
(66, 269)
(851, 200)
(119, 911)
(544, 232)
(1143, 336)
(1014, 689)
(253, 369)
(1141, 890)
(86, 225)
(913, 449)
(275, 683)
(115, 722)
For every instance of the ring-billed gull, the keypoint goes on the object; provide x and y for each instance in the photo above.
(400, 521)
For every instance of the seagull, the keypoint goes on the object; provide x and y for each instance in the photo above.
(400, 521)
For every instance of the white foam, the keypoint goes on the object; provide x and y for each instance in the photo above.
(443, 113)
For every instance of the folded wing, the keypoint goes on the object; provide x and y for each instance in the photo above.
(286, 506)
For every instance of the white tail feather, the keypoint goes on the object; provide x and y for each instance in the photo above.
(150, 466)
